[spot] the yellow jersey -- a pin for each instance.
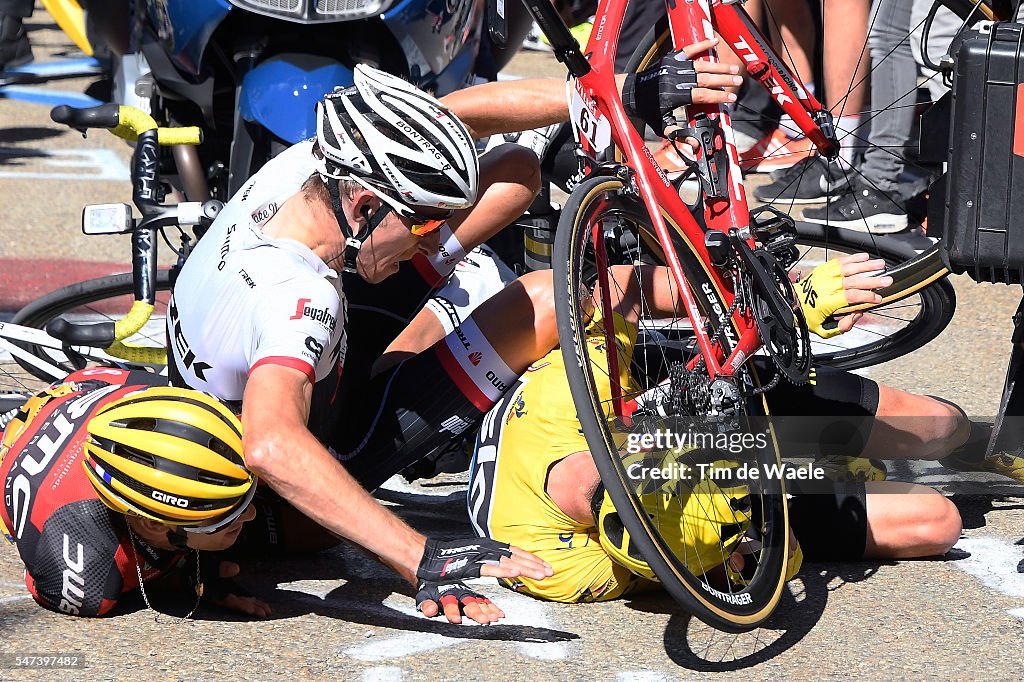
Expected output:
(533, 427)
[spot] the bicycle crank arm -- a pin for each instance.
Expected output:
(762, 279)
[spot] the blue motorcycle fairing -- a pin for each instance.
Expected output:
(281, 93)
(185, 26)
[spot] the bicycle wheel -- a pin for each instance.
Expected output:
(901, 323)
(691, 571)
(922, 265)
(97, 300)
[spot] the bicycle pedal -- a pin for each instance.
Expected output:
(776, 231)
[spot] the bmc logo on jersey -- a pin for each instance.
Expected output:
(321, 315)
(169, 499)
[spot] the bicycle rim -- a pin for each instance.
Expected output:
(922, 265)
(697, 581)
(885, 189)
(97, 300)
(897, 326)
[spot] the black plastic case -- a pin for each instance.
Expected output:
(983, 234)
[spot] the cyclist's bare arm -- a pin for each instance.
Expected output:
(279, 447)
(286, 455)
(511, 106)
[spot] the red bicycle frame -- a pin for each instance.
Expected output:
(601, 106)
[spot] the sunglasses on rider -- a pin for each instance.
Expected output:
(220, 524)
(417, 223)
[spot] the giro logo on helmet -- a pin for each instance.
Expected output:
(160, 496)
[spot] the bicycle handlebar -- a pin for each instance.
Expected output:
(125, 122)
(133, 125)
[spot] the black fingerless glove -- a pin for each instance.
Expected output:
(458, 559)
(448, 593)
(656, 91)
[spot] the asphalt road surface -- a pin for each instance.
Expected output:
(338, 615)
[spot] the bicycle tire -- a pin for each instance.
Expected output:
(918, 270)
(594, 200)
(106, 297)
(936, 296)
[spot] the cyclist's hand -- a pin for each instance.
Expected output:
(834, 285)
(678, 81)
(455, 598)
(235, 599)
(474, 557)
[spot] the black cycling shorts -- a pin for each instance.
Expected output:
(833, 414)
(831, 527)
(403, 414)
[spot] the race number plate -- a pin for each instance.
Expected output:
(592, 126)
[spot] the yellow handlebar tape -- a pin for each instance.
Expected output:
(133, 122)
(134, 321)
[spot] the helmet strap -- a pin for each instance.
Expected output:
(352, 242)
(595, 502)
(178, 538)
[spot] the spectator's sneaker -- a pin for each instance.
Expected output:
(14, 46)
(807, 181)
(774, 151)
(1002, 463)
(864, 209)
(533, 40)
(852, 469)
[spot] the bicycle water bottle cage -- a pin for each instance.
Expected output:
(712, 162)
(776, 231)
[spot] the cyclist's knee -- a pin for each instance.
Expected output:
(906, 520)
(922, 426)
(937, 524)
(511, 163)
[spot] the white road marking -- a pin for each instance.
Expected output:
(17, 597)
(994, 563)
(89, 164)
(519, 610)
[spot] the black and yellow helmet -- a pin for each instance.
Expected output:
(702, 521)
(172, 455)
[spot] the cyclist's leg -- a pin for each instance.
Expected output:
(421, 404)
(477, 277)
(843, 414)
(909, 426)
(875, 520)
(906, 520)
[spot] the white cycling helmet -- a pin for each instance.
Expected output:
(385, 132)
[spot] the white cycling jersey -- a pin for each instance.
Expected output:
(243, 300)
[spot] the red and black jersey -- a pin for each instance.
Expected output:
(77, 553)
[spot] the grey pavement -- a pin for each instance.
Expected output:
(338, 615)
